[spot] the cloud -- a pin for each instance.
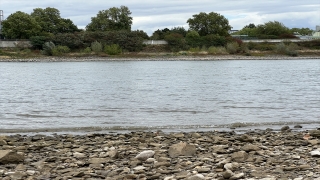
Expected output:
(152, 15)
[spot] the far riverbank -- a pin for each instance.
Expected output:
(155, 58)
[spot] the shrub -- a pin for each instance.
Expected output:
(251, 45)
(72, 40)
(59, 50)
(96, 47)
(217, 50)
(281, 48)
(214, 40)
(87, 50)
(290, 50)
(232, 48)
(176, 42)
(47, 48)
(194, 49)
(38, 41)
(113, 49)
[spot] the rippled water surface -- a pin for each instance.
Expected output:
(158, 94)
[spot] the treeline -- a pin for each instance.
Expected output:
(127, 40)
(110, 32)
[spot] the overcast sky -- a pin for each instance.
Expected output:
(150, 15)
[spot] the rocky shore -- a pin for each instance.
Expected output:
(260, 154)
(158, 58)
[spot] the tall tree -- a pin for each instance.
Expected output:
(212, 23)
(20, 25)
(111, 19)
(301, 31)
(274, 28)
(51, 22)
(251, 26)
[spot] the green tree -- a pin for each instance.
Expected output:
(301, 31)
(212, 23)
(193, 39)
(160, 34)
(51, 22)
(111, 19)
(251, 26)
(176, 42)
(179, 30)
(273, 28)
(20, 25)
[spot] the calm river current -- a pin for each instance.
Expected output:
(150, 95)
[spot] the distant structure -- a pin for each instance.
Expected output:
(1, 19)
(316, 34)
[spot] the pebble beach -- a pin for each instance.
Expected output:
(263, 154)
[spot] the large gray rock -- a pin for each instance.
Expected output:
(314, 133)
(196, 177)
(250, 147)
(183, 149)
(239, 156)
(144, 155)
(10, 157)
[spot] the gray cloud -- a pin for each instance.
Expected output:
(152, 15)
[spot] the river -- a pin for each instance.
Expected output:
(158, 95)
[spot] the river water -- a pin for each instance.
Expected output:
(158, 95)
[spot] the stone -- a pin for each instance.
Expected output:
(227, 174)
(231, 166)
(3, 142)
(10, 157)
(181, 148)
(97, 160)
(237, 176)
(159, 164)
(239, 156)
(315, 153)
(79, 155)
(313, 141)
(114, 154)
(138, 168)
(285, 128)
(314, 133)
(297, 126)
(196, 177)
(250, 147)
(144, 155)
(245, 138)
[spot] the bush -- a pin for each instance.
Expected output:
(47, 48)
(113, 49)
(213, 40)
(251, 45)
(195, 49)
(87, 50)
(290, 49)
(217, 50)
(71, 40)
(96, 47)
(176, 42)
(59, 50)
(281, 48)
(232, 48)
(38, 41)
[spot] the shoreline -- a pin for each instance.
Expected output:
(158, 155)
(157, 58)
